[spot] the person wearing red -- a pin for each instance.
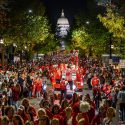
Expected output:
(16, 95)
(29, 109)
(95, 81)
(69, 77)
(68, 118)
(52, 78)
(46, 106)
(74, 100)
(41, 112)
(89, 100)
(84, 108)
(79, 79)
(63, 89)
(22, 113)
(96, 96)
(62, 66)
(38, 87)
(91, 112)
(97, 120)
(58, 75)
(56, 114)
(76, 53)
(9, 112)
(64, 105)
(74, 103)
(76, 110)
(78, 76)
(34, 87)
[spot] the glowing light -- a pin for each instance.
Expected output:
(30, 11)
(81, 83)
(44, 87)
(112, 46)
(87, 22)
(14, 44)
(1, 41)
(25, 47)
(74, 87)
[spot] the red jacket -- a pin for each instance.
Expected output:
(39, 85)
(62, 85)
(95, 81)
(15, 94)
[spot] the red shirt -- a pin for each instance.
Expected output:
(62, 85)
(58, 75)
(95, 81)
(79, 77)
(53, 80)
(69, 75)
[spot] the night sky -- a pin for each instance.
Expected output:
(71, 8)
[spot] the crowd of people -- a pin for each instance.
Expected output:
(21, 83)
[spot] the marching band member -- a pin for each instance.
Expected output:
(63, 88)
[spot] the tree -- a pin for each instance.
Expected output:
(48, 46)
(4, 19)
(115, 23)
(29, 28)
(90, 36)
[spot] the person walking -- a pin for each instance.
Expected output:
(121, 102)
(63, 89)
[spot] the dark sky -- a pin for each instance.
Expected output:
(71, 8)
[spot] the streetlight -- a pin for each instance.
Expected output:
(14, 45)
(30, 11)
(2, 51)
(112, 46)
(25, 47)
(87, 22)
(1, 41)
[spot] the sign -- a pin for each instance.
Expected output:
(115, 59)
(73, 76)
(110, 61)
(63, 75)
(122, 63)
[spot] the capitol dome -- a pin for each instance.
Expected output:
(62, 20)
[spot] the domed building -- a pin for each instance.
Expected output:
(62, 26)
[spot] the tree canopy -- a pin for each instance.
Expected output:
(28, 25)
(113, 19)
(114, 22)
(90, 35)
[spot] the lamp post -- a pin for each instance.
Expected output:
(2, 51)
